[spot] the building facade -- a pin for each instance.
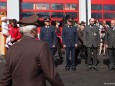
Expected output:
(57, 9)
(81, 10)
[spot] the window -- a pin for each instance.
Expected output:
(43, 14)
(26, 14)
(2, 5)
(96, 15)
(96, 7)
(42, 6)
(57, 15)
(57, 6)
(28, 5)
(109, 15)
(70, 7)
(72, 14)
(109, 7)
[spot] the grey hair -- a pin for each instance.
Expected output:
(27, 29)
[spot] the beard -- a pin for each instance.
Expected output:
(92, 24)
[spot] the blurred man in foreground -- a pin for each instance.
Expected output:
(29, 62)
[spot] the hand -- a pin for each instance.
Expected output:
(84, 44)
(76, 45)
(54, 46)
(106, 46)
(12, 39)
(64, 46)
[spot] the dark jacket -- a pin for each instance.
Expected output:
(29, 63)
(69, 36)
(80, 37)
(110, 38)
(48, 35)
(91, 36)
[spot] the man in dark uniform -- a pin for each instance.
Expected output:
(47, 33)
(110, 44)
(91, 40)
(70, 41)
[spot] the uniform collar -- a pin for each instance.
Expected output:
(70, 26)
(47, 26)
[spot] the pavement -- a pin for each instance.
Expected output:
(82, 77)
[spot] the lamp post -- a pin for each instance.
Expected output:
(86, 12)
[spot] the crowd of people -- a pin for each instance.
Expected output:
(10, 31)
(30, 55)
(71, 36)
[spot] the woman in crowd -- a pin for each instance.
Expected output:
(14, 31)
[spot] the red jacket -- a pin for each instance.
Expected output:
(14, 32)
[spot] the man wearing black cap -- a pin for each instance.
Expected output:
(48, 34)
(70, 41)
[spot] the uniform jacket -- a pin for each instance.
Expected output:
(69, 36)
(91, 36)
(29, 63)
(110, 37)
(48, 35)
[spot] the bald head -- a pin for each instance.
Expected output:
(104, 22)
(112, 23)
(92, 21)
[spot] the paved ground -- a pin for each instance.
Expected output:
(81, 77)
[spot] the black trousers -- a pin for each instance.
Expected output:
(80, 50)
(58, 48)
(92, 56)
(111, 54)
(70, 52)
(52, 50)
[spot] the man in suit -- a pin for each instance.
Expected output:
(47, 33)
(91, 40)
(29, 62)
(70, 41)
(110, 44)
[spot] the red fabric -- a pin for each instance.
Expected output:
(38, 30)
(14, 32)
(59, 34)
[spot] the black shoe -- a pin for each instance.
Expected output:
(89, 68)
(67, 68)
(114, 67)
(95, 68)
(110, 68)
(73, 68)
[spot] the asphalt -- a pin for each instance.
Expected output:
(82, 77)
